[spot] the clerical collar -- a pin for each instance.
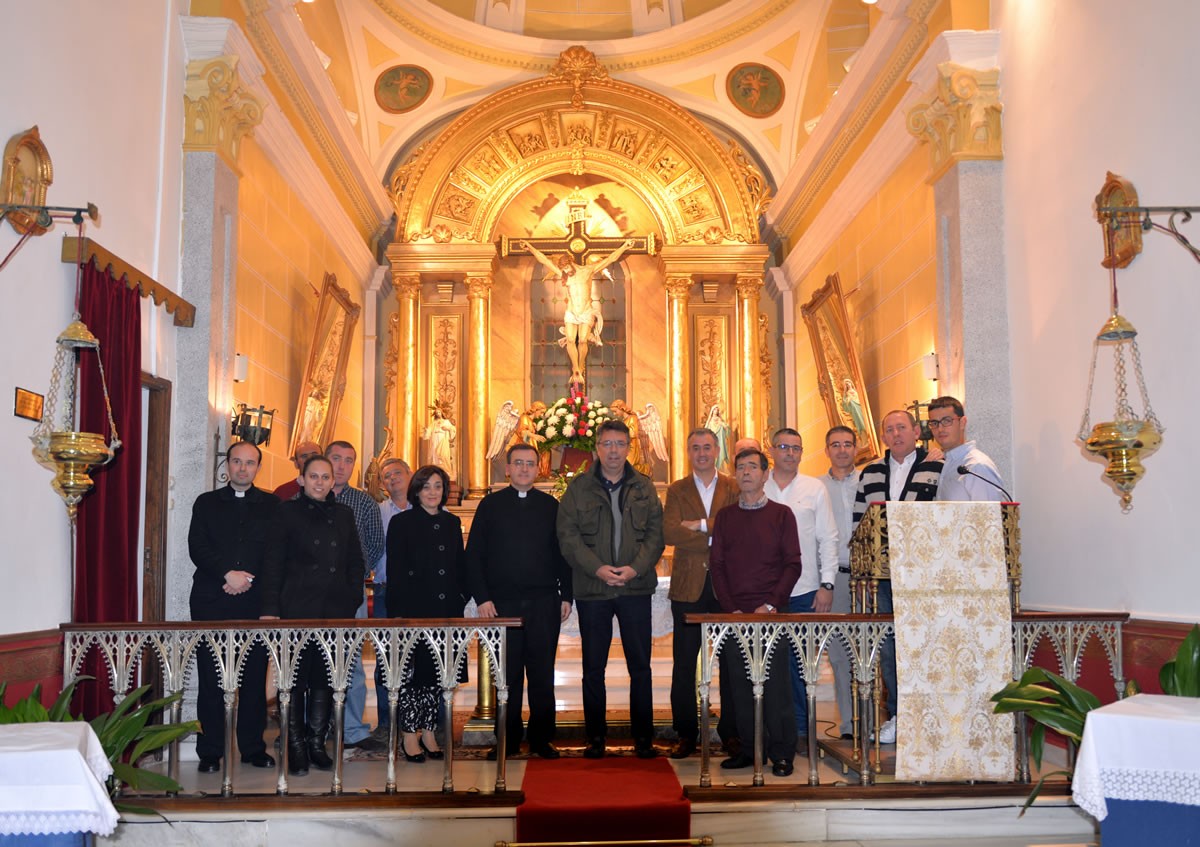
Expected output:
(237, 493)
(758, 504)
(522, 494)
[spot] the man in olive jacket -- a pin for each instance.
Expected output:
(610, 531)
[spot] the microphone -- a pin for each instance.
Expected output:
(963, 470)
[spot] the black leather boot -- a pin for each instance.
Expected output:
(320, 706)
(297, 735)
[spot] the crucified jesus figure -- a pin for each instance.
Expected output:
(583, 321)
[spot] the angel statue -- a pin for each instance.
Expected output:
(720, 429)
(583, 320)
(653, 443)
(506, 424)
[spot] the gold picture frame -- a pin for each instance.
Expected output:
(27, 173)
(325, 375)
(839, 376)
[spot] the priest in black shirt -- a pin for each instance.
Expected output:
(515, 569)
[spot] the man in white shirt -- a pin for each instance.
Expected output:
(968, 472)
(841, 481)
(809, 501)
(395, 474)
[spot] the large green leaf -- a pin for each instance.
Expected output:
(1037, 743)
(1187, 665)
(1080, 698)
(140, 779)
(1166, 678)
(60, 711)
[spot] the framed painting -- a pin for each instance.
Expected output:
(756, 90)
(839, 377)
(325, 375)
(402, 88)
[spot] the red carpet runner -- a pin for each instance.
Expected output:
(602, 800)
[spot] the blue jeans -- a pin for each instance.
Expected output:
(800, 603)
(353, 728)
(379, 610)
(887, 650)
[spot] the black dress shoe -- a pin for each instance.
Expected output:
(595, 749)
(545, 751)
(416, 760)
(732, 746)
(782, 768)
(645, 749)
(210, 765)
(259, 760)
(510, 752)
(733, 763)
(683, 748)
(436, 755)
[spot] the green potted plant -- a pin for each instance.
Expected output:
(125, 733)
(1054, 702)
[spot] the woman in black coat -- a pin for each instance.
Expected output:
(313, 568)
(426, 579)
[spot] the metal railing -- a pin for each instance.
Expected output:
(125, 647)
(810, 636)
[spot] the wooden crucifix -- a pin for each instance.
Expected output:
(583, 321)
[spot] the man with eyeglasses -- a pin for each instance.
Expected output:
(610, 529)
(817, 529)
(515, 570)
(905, 473)
(948, 422)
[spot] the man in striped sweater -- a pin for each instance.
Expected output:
(904, 473)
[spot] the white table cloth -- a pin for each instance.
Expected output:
(1146, 747)
(52, 780)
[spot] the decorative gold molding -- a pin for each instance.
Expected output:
(218, 111)
(27, 173)
(76, 250)
(407, 287)
(444, 330)
(578, 120)
(962, 121)
(712, 354)
(678, 287)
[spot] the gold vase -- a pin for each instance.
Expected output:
(1123, 444)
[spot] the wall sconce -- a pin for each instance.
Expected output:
(1123, 441)
(253, 425)
(241, 367)
(929, 366)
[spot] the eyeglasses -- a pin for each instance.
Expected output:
(789, 448)
(521, 463)
(940, 422)
(608, 445)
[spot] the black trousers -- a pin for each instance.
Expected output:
(595, 635)
(251, 706)
(529, 660)
(779, 717)
(685, 648)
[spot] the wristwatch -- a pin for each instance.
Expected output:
(770, 608)
(828, 586)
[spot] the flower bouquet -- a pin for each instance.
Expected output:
(571, 423)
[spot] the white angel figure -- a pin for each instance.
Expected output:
(652, 426)
(506, 424)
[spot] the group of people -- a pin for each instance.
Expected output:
(767, 540)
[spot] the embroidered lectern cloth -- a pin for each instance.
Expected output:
(953, 641)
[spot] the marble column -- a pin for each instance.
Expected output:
(960, 122)
(479, 299)
(406, 420)
(679, 396)
(749, 415)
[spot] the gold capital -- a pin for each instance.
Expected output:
(479, 287)
(679, 287)
(219, 112)
(408, 286)
(748, 287)
(962, 120)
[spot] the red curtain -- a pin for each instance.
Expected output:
(106, 555)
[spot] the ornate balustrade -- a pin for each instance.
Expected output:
(126, 647)
(811, 635)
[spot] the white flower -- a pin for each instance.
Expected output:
(571, 418)
(591, 416)
(589, 433)
(603, 410)
(551, 432)
(569, 432)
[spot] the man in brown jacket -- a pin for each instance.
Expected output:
(692, 504)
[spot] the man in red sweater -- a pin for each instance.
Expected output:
(755, 561)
